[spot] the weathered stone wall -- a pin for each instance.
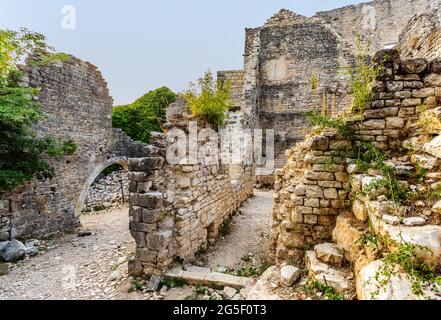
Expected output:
(310, 188)
(380, 21)
(177, 210)
(78, 107)
(422, 37)
(282, 57)
(235, 78)
(108, 191)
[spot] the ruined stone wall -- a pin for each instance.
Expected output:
(283, 56)
(422, 37)
(178, 210)
(235, 78)
(78, 107)
(310, 189)
(379, 21)
(282, 59)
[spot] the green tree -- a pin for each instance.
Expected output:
(145, 115)
(23, 155)
(210, 99)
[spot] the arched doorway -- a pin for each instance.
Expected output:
(122, 161)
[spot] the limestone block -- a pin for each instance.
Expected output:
(414, 221)
(300, 190)
(423, 93)
(434, 147)
(150, 200)
(347, 236)
(323, 273)
(320, 143)
(263, 287)
(331, 193)
(392, 220)
(373, 124)
(433, 80)
(146, 164)
(394, 123)
(289, 275)
(414, 66)
(409, 103)
(159, 240)
(146, 255)
(319, 176)
(360, 211)
(314, 191)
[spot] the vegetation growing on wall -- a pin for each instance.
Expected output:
(209, 99)
(23, 155)
(146, 115)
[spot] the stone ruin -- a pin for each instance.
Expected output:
(312, 190)
(78, 107)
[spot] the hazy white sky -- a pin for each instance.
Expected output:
(140, 45)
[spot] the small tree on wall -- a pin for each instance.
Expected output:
(209, 99)
(23, 155)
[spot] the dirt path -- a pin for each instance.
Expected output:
(249, 235)
(93, 267)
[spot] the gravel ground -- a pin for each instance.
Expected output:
(93, 267)
(249, 234)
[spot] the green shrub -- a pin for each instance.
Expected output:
(146, 115)
(23, 155)
(210, 100)
(314, 287)
(362, 75)
(325, 122)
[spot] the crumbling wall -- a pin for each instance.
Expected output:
(76, 101)
(108, 191)
(422, 37)
(176, 210)
(310, 189)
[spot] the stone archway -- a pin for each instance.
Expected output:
(79, 206)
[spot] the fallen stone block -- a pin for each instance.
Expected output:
(14, 250)
(328, 252)
(262, 290)
(289, 275)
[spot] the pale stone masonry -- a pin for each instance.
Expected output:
(289, 50)
(422, 37)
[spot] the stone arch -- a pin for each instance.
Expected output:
(79, 206)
